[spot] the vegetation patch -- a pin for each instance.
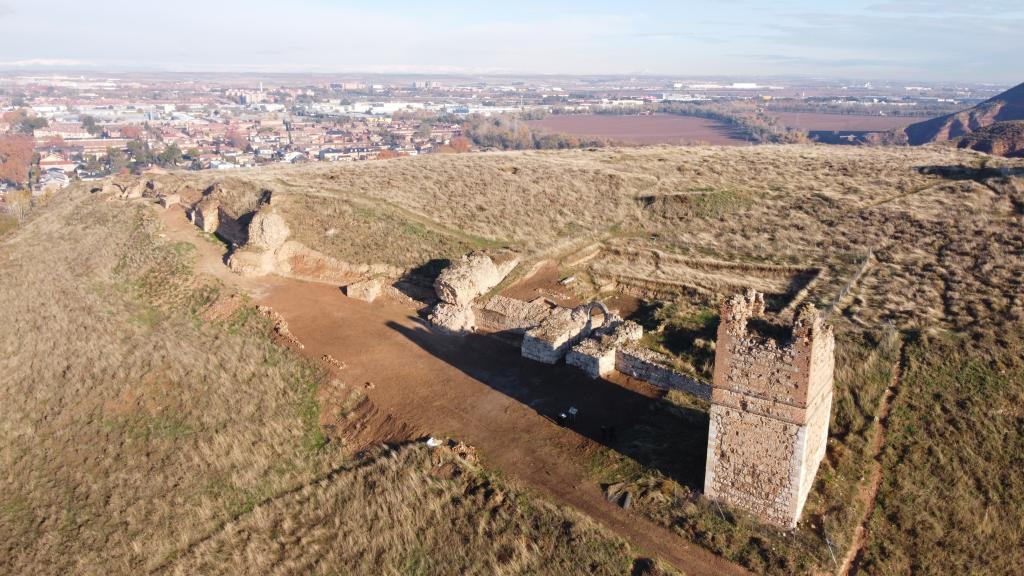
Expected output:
(952, 494)
(412, 510)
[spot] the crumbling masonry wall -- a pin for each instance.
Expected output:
(653, 367)
(770, 408)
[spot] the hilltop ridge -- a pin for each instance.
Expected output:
(1006, 106)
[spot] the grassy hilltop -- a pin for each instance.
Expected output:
(147, 425)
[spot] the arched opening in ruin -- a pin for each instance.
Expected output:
(605, 315)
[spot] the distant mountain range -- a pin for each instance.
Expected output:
(1004, 107)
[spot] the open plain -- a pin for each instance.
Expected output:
(643, 129)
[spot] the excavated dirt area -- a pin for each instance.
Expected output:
(475, 389)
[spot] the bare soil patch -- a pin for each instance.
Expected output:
(654, 129)
(857, 122)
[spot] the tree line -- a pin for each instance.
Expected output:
(512, 133)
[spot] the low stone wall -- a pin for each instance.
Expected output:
(559, 332)
(596, 355)
(650, 366)
(503, 314)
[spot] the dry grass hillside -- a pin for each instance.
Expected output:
(148, 420)
(942, 224)
(143, 430)
(407, 512)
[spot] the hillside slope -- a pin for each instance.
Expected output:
(150, 421)
(1003, 107)
(1000, 139)
(141, 432)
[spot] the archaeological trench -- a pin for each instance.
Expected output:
(771, 392)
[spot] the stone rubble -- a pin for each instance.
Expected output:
(596, 355)
(366, 290)
(503, 314)
(472, 276)
(559, 332)
(453, 318)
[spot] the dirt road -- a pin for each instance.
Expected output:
(475, 389)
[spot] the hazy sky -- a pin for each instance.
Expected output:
(961, 40)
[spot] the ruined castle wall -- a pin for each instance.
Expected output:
(206, 215)
(753, 469)
(593, 359)
(559, 332)
(596, 355)
(473, 276)
(814, 451)
(649, 366)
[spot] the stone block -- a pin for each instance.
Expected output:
(367, 290)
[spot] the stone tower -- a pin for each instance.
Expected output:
(770, 406)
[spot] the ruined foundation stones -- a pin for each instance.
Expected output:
(460, 284)
(770, 408)
(596, 355)
(655, 368)
(206, 215)
(560, 331)
(453, 318)
(367, 290)
(503, 314)
(168, 200)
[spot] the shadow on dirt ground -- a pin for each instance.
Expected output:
(626, 415)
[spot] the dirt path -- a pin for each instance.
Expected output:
(869, 490)
(475, 389)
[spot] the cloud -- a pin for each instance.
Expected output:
(5, 9)
(991, 8)
(837, 62)
(43, 63)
